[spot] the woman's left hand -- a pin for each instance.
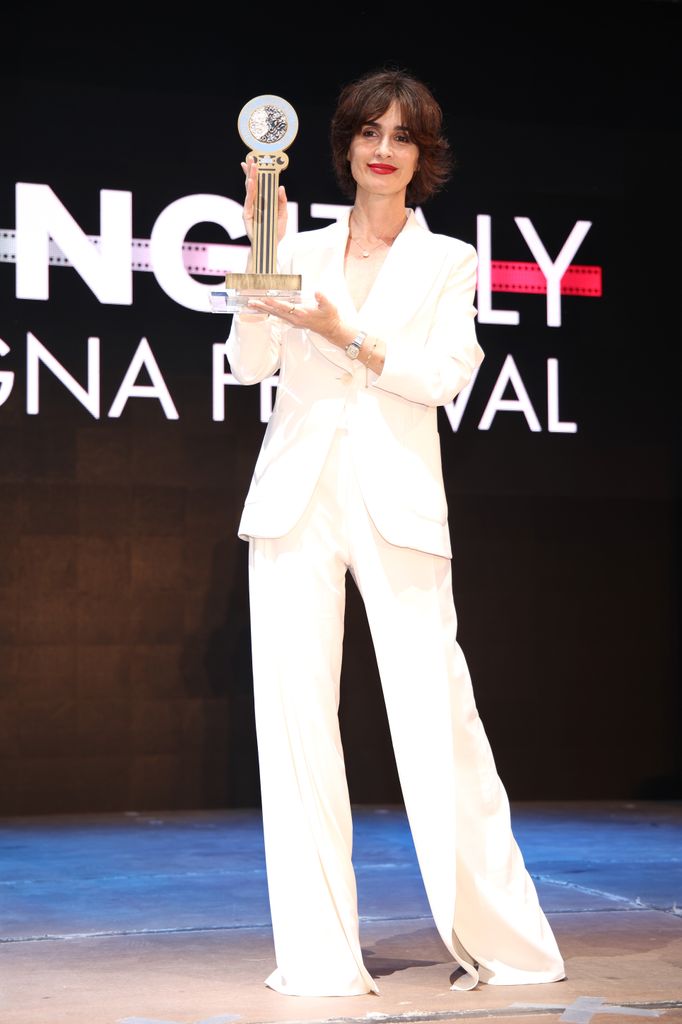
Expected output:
(323, 317)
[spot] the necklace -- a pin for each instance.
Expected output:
(366, 252)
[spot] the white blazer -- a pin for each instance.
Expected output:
(421, 306)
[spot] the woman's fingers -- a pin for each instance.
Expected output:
(250, 171)
(325, 307)
(282, 213)
(321, 316)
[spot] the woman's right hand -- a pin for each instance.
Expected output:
(250, 175)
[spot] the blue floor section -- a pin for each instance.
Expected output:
(148, 872)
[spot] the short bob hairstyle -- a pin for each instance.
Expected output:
(366, 99)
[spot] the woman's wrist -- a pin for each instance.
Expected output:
(342, 335)
(373, 354)
(368, 350)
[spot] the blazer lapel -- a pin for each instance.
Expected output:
(401, 285)
(403, 282)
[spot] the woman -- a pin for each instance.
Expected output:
(349, 479)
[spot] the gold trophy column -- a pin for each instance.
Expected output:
(264, 276)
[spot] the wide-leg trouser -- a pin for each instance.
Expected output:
(483, 900)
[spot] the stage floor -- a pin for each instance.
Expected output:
(153, 918)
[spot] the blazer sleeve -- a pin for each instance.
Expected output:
(443, 366)
(254, 348)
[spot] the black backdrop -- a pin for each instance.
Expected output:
(125, 674)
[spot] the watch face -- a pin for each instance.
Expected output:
(353, 350)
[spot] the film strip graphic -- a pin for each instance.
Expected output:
(217, 260)
(512, 276)
(197, 257)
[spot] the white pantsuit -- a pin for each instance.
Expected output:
(349, 479)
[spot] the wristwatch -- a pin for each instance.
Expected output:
(353, 350)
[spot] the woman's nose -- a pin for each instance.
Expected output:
(384, 145)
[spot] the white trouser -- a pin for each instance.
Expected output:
(482, 898)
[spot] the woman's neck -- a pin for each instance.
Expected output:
(377, 217)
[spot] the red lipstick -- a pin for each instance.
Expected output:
(382, 168)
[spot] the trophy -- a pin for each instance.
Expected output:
(268, 125)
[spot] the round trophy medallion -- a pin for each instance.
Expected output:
(268, 124)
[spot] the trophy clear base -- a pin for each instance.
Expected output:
(230, 300)
(240, 288)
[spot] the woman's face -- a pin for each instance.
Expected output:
(382, 156)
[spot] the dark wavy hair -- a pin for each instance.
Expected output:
(366, 99)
